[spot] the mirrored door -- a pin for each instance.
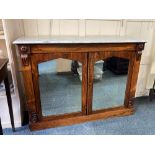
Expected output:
(61, 85)
(108, 75)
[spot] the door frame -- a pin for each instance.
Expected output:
(39, 58)
(96, 56)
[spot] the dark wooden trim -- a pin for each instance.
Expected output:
(58, 48)
(152, 92)
(38, 58)
(24, 54)
(84, 83)
(9, 100)
(107, 109)
(4, 77)
(3, 73)
(3, 63)
(61, 116)
(80, 119)
(90, 82)
(128, 84)
(134, 77)
(1, 130)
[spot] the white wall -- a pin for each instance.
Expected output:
(145, 30)
(12, 30)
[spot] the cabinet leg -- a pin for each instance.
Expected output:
(8, 94)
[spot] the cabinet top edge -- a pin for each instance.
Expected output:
(76, 40)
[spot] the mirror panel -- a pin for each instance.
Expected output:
(110, 77)
(60, 87)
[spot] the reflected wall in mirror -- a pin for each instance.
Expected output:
(60, 87)
(110, 78)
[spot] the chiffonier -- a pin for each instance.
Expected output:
(61, 92)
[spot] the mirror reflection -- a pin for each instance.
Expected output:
(110, 77)
(60, 86)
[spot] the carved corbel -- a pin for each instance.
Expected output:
(130, 103)
(24, 54)
(33, 117)
(139, 49)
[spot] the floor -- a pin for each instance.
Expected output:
(141, 123)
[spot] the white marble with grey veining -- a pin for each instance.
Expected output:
(76, 40)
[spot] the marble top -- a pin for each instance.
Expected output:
(76, 40)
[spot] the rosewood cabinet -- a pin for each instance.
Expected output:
(57, 97)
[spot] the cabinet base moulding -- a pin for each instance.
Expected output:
(44, 124)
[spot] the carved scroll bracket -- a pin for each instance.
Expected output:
(24, 54)
(139, 49)
(130, 103)
(33, 117)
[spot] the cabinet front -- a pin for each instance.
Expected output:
(74, 84)
(60, 84)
